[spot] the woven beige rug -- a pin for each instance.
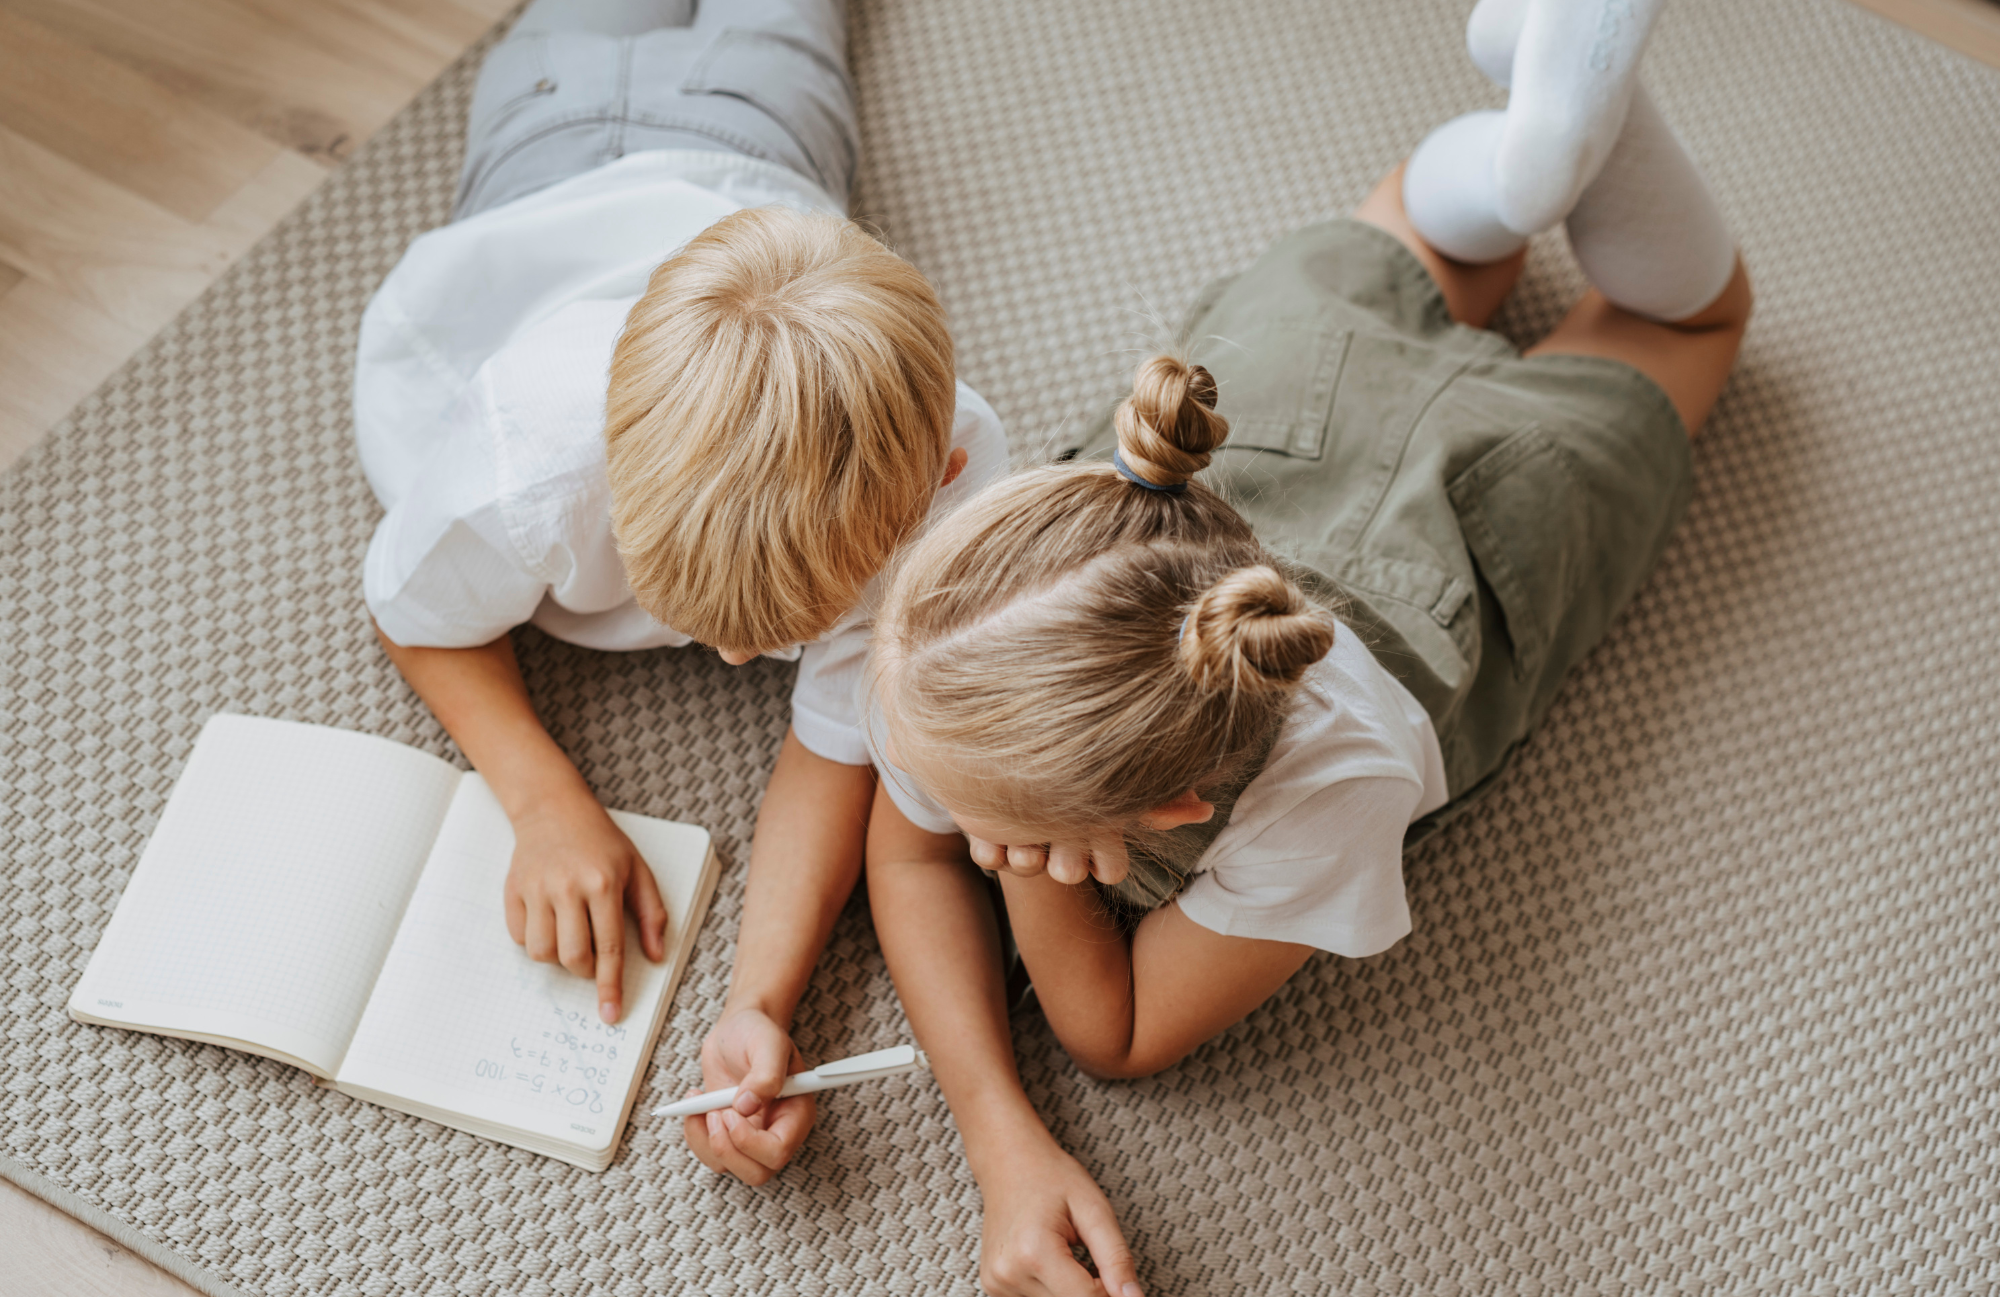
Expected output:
(1703, 1000)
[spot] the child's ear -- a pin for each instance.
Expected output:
(1188, 808)
(953, 467)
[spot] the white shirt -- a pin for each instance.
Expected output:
(1313, 852)
(479, 415)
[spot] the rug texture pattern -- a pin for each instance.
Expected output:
(1702, 1000)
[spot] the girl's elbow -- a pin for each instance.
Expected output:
(1123, 1070)
(1130, 1065)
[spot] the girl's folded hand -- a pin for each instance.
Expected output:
(755, 1137)
(1067, 862)
(1039, 1204)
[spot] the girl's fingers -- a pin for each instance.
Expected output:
(765, 1074)
(737, 1163)
(1040, 1265)
(541, 925)
(791, 1120)
(1099, 1229)
(573, 936)
(987, 855)
(766, 1148)
(726, 1156)
(1026, 860)
(1069, 864)
(1057, 1273)
(696, 1130)
(642, 893)
(1109, 862)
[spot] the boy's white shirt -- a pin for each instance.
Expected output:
(1313, 852)
(479, 416)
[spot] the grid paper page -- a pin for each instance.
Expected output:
(269, 892)
(464, 1021)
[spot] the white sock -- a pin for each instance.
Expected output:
(1647, 231)
(1449, 192)
(1569, 84)
(1491, 35)
(1448, 187)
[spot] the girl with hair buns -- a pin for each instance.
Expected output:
(1189, 696)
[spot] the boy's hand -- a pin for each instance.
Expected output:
(755, 1138)
(573, 875)
(1039, 1204)
(1103, 858)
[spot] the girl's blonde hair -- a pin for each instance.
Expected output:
(1069, 649)
(779, 417)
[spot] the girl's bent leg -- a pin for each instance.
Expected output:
(1690, 359)
(1471, 292)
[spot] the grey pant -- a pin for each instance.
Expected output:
(579, 83)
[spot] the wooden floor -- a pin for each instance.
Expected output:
(1971, 27)
(47, 1254)
(144, 146)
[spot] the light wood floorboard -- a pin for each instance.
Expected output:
(1971, 27)
(48, 1254)
(144, 146)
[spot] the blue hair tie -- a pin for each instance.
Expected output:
(1125, 471)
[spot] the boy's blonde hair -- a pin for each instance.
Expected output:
(1069, 650)
(778, 419)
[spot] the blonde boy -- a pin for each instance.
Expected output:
(722, 446)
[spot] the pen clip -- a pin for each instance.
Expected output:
(900, 1056)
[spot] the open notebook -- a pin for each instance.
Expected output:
(333, 900)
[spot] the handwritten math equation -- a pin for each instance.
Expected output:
(566, 1060)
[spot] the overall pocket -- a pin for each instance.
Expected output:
(1276, 381)
(1526, 512)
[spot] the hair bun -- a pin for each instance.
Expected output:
(1168, 426)
(1253, 630)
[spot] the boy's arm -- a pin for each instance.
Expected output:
(804, 861)
(1130, 1006)
(573, 871)
(936, 927)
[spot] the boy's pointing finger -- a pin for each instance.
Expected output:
(607, 930)
(643, 894)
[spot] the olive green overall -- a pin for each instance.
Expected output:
(1477, 516)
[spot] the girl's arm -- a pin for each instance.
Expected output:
(938, 935)
(804, 861)
(1130, 1006)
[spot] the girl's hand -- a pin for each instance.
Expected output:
(756, 1137)
(1040, 1203)
(1102, 858)
(573, 874)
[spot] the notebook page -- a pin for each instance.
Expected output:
(268, 894)
(464, 1022)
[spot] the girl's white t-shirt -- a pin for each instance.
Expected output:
(1313, 852)
(479, 393)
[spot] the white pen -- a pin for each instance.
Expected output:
(862, 1067)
